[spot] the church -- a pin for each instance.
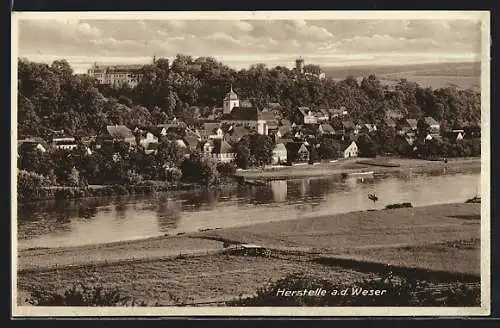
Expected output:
(249, 117)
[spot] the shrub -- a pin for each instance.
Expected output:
(173, 175)
(31, 185)
(120, 190)
(226, 169)
(133, 178)
(79, 295)
(400, 205)
(402, 292)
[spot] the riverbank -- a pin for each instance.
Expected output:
(195, 268)
(357, 165)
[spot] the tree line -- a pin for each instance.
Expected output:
(52, 97)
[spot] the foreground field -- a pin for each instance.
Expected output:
(150, 271)
(369, 230)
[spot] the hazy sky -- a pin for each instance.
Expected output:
(240, 43)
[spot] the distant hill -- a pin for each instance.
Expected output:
(461, 75)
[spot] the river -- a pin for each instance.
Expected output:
(100, 220)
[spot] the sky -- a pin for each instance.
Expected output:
(240, 43)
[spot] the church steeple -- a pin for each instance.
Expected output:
(231, 100)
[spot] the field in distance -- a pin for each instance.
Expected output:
(461, 75)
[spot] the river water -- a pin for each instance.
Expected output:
(100, 220)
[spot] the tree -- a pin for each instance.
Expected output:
(328, 149)
(367, 147)
(74, 177)
(199, 169)
(242, 157)
(169, 153)
(261, 149)
(31, 185)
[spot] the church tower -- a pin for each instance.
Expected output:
(231, 100)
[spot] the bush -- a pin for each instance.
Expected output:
(402, 292)
(226, 169)
(31, 186)
(79, 295)
(200, 169)
(173, 175)
(120, 190)
(400, 205)
(133, 178)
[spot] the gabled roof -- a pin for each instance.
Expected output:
(347, 145)
(191, 141)
(280, 146)
(413, 123)
(327, 128)
(304, 110)
(243, 114)
(429, 120)
(119, 132)
(267, 115)
(294, 147)
(221, 147)
(209, 128)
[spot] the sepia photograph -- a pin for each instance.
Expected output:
(286, 163)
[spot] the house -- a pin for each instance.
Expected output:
(222, 151)
(269, 117)
(349, 127)
(121, 133)
(456, 134)
(234, 134)
(151, 148)
(412, 123)
(322, 115)
(66, 143)
(304, 115)
(175, 127)
(249, 117)
(212, 131)
(368, 128)
(326, 128)
(145, 140)
(351, 150)
(279, 154)
(206, 147)
(338, 112)
(191, 142)
(28, 145)
(181, 144)
(472, 131)
(297, 152)
(393, 114)
(434, 126)
(407, 125)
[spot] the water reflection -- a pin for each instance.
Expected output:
(96, 220)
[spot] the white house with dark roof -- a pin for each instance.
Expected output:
(351, 150)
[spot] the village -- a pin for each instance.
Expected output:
(216, 136)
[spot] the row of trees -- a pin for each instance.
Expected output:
(53, 97)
